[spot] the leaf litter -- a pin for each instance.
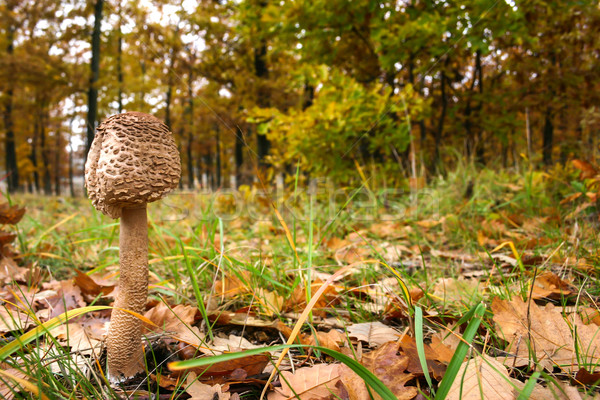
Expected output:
(544, 332)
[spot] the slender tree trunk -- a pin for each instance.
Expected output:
(33, 154)
(411, 79)
(92, 115)
(218, 156)
(208, 163)
(44, 151)
(141, 98)
(190, 135)
(9, 136)
(309, 96)
(548, 136)
(57, 164)
(190, 160)
(528, 133)
(71, 185)
(479, 147)
(262, 73)
(202, 170)
(440, 128)
(473, 145)
(169, 93)
(120, 61)
(239, 156)
(170, 80)
(168, 105)
(180, 152)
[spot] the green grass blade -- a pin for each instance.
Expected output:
(529, 386)
(196, 288)
(421, 346)
(354, 365)
(460, 353)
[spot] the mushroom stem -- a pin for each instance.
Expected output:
(124, 342)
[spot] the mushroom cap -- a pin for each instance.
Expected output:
(133, 160)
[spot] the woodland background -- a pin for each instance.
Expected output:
(403, 89)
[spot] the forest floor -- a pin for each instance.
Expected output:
(488, 280)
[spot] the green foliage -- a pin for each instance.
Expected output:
(346, 119)
(330, 83)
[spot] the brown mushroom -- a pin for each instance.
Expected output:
(133, 160)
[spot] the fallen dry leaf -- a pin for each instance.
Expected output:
(429, 223)
(297, 300)
(351, 254)
(444, 353)
(388, 366)
(330, 340)
(374, 333)
(460, 290)
(336, 243)
(590, 315)
(586, 169)
(171, 319)
(233, 285)
(6, 237)
(434, 366)
(8, 387)
(14, 320)
(177, 321)
(549, 285)
(308, 383)
(545, 332)
(237, 369)
(585, 377)
(90, 287)
(486, 378)
(482, 375)
(201, 391)
(231, 343)
(11, 214)
(387, 230)
(78, 338)
(11, 272)
(57, 298)
(271, 303)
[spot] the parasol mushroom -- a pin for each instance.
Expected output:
(133, 161)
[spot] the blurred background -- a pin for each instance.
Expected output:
(353, 90)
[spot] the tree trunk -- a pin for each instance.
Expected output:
(170, 79)
(479, 148)
(218, 156)
(473, 145)
(57, 164)
(33, 154)
(262, 73)
(44, 150)
(141, 98)
(92, 115)
(12, 170)
(440, 128)
(190, 135)
(208, 164)
(180, 152)
(120, 61)
(548, 136)
(239, 156)
(71, 185)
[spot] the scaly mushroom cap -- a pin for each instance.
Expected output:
(133, 160)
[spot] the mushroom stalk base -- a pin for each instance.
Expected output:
(124, 342)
